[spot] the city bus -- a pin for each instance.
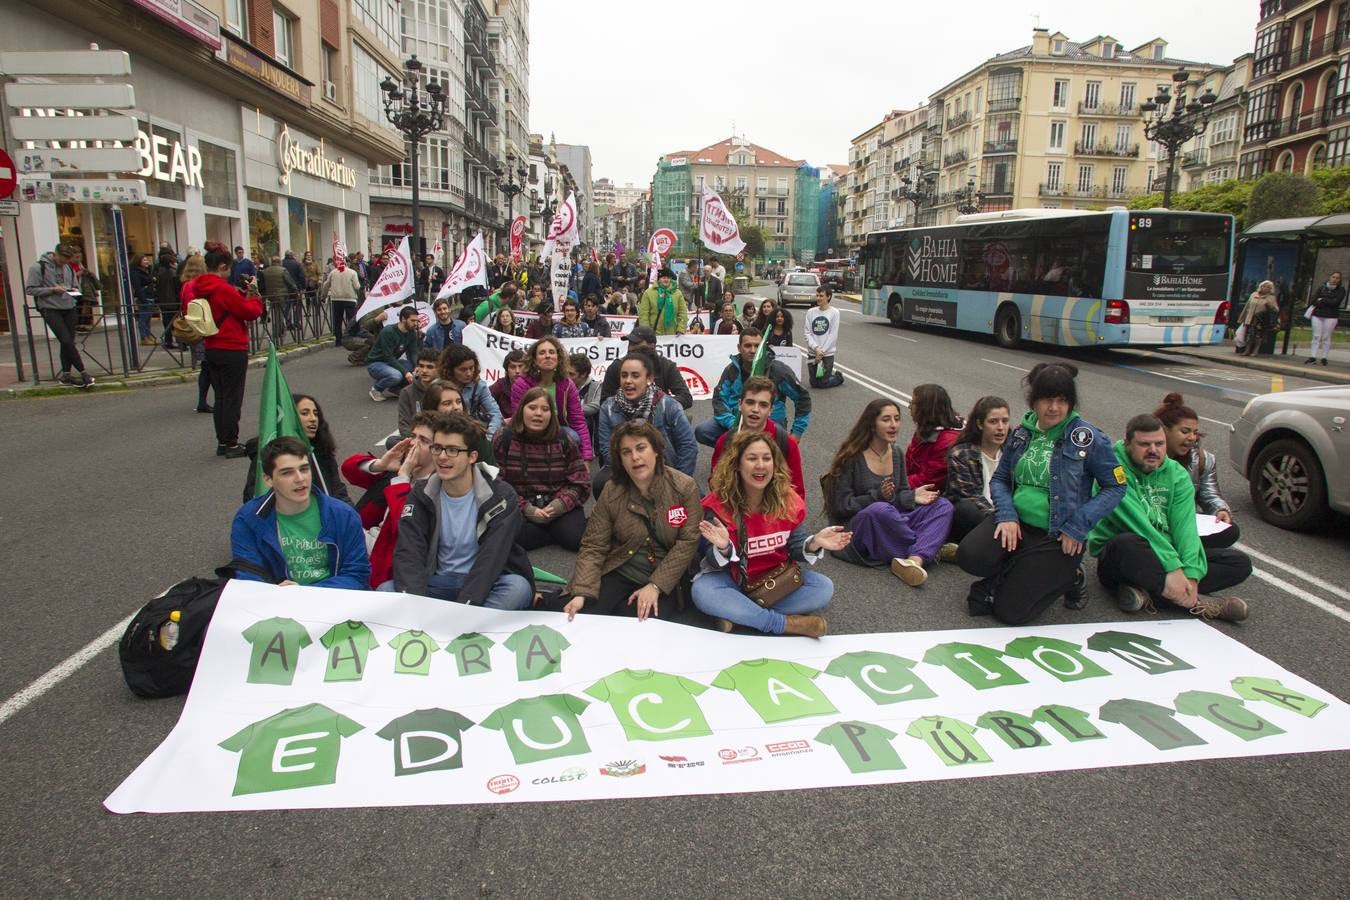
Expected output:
(1151, 278)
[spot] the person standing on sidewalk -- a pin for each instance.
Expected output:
(52, 283)
(1326, 314)
(344, 289)
(226, 359)
(1259, 318)
(167, 288)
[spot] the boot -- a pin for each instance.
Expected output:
(1076, 597)
(806, 626)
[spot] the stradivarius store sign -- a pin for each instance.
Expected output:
(292, 156)
(309, 698)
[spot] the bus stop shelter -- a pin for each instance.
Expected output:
(1296, 255)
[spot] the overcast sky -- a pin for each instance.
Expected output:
(638, 79)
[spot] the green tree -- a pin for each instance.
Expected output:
(1229, 197)
(1282, 195)
(1335, 185)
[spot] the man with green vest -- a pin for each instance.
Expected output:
(503, 296)
(1149, 547)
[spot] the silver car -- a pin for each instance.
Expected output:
(1293, 448)
(798, 287)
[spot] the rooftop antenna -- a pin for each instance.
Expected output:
(1036, 21)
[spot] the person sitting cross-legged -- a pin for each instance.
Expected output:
(543, 463)
(299, 535)
(640, 398)
(458, 541)
(1148, 546)
(753, 526)
(642, 533)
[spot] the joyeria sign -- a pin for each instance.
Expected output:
(291, 157)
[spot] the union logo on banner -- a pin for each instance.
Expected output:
(677, 516)
(662, 240)
(717, 227)
(517, 238)
(470, 268)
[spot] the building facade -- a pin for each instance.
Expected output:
(1055, 124)
(253, 128)
(757, 182)
(1212, 156)
(1297, 115)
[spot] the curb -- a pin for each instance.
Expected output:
(1273, 368)
(157, 378)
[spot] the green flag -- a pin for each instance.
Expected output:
(763, 357)
(543, 577)
(276, 414)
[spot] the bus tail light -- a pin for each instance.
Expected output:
(1117, 312)
(1221, 314)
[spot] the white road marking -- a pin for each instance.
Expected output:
(1216, 421)
(876, 387)
(1302, 595)
(1295, 571)
(1004, 365)
(910, 339)
(63, 670)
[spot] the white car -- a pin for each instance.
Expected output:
(798, 287)
(1293, 448)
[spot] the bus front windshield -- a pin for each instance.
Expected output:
(1177, 245)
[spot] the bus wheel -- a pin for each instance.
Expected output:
(895, 311)
(1008, 326)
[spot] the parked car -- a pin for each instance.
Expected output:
(834, 279)
(798, 287)
(1293, 448)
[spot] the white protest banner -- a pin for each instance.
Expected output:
(700, 358)
(717, 226)
(396, 281)
(517, 239)
(470, 269)
(309, 698)
(560, 273)
(437, 251)
(564, 230)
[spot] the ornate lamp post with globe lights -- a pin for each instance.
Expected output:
(511, 180)
(416, 110)
(919, 190)
(1186, 120)
(968, 199)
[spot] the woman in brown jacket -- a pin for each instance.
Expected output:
(642, 533)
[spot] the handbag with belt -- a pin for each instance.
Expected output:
(774, 585)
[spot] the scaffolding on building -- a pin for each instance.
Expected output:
(672, 193)
(805, 213)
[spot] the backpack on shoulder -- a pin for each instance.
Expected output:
(196, 323)
(149, 669)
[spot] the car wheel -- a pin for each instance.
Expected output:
(1287, 485)
(1008, 326)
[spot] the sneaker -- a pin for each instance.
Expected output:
(1131, 599)
(908, 571)
(1324, 360)
(231, 451)
(377, 396)
(724, 625)
(208, 409)
(1230, 609)
(69, 379)
(149, 341)
(948, 552)
(1309, 361)
(86, 380)
(1076, 597)
(391, 395)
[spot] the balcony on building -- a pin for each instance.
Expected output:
(935, 124)
(1005, 104)
(994, 147)
(1300, 125)
(1223, 151)
(996, 187)
(1113, 150)
(960, 120)
(477, 152)
(1194, 159)
(477, 100)
(1087, 192)
(901, 164)
(476, 44)
(956, 157)
(1110, 110)
(1312, 51)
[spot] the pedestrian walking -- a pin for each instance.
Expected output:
(1325, 313)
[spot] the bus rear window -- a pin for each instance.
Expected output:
(1175, 245)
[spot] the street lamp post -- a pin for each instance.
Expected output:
(968, 199)
(918, 190)
(1186, 120)
(416, 110)
(511, 181)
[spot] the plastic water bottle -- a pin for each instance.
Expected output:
(168, 632)
(820, 370)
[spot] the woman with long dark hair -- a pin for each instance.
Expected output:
(642, 532)
(1029, 552)
(752, 522)
(970, 468)
(1183, 445)
(936, 428)
(544, 465)
(324, 451)
(764, 319)
(504, 320)
(780, 333)
(458, 366)
(548, 367)
(871, 497)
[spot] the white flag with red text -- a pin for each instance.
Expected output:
(470, 269)
(396, 281)
(717, 228)
(564, 230)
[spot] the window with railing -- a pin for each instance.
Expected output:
(1119, 175)
(1054, 176)
(1268, 56)
(1084, 179)
(1092, 95)
(1005, 90)
(1127, 95)
(1262, 114)
(1340, 88)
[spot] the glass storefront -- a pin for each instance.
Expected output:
(263, 235)
(299, 235)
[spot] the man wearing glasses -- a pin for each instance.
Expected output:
(457, 533)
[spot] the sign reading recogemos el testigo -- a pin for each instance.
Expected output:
(309, 698)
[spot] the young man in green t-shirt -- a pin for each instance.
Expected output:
(299, 535)
(1148, 546)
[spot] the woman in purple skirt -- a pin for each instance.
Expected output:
(869, 494)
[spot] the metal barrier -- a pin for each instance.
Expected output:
(110, 345)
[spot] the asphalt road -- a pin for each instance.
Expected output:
(112, 497)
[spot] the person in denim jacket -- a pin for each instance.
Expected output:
(1030, 551)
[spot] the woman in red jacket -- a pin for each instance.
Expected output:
(752, 523)
(936, 429)
(226, 360)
